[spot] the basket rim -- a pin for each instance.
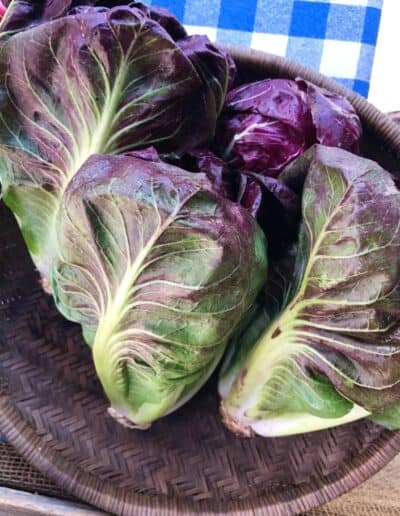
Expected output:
(45, 457)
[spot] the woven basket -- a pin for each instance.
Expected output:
(54, 413)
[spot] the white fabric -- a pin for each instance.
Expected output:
(385, 81)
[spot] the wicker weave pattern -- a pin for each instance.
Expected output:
(54, 412)
(15, 472)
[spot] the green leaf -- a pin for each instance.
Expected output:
(390, 418)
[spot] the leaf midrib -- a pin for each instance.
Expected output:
(290, 313)
(104, 353)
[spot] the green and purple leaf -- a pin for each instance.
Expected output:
(101, 81)
(159, 271)
(332, 354)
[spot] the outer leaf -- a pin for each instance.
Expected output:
(158, 270)
(162, 16)
(213, 64)
(102, 81)
(332, 355)
(390, 418)
(159, 14)
(23, 14)
(335, 120)
(216, 170)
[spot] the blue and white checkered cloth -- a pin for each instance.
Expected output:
(336, 37)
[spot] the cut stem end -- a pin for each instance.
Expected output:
(124, 421)
(238, 428)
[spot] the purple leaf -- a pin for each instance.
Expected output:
(265, 125)
(213, 64)
(23, 14)
(162, 16)
(274, 205)
(335, 120)
(148, 154)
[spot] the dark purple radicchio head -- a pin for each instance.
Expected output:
(267, 124)
(264, 126)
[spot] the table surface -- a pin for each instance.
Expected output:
(379, 496)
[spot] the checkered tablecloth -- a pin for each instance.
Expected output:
(336, 37)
